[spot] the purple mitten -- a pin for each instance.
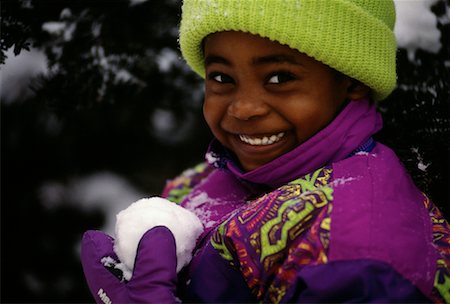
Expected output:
(154, 276)
(154, 240)
(104, 285)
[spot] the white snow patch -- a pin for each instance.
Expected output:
(18, 71)
(164, 121)
(54, 27)
(64, 29)
(96, 29)
(198, 200)
(110, 66)
(143, 215)
(104, 190)
(415, 27)
(420, 165)
(362, 153)
(108, 261)
(200, 204)
(342, 181)
(166, 59)
(65, 13)
(170, 128)
(211, 158)
(127, 273)
(423, 88)
(60, 28)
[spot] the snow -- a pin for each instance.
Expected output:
(364, 153)
(17, 73)
(63, 29)
(166, 59)
(108, 261)
(59, 28)
(200, 204)
(420, 165)
(164, 121)
(211, 158)
(127, 273)
(106, 191)
(169, 128)
(342, 181)
(147, 213)
(415, 27)
(421, 87)
(109, 65)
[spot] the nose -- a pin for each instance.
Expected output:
(247, 106)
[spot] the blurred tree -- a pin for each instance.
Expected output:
(116, 97)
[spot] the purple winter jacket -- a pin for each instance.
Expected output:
(338, 219)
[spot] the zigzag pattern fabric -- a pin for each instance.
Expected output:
(288, 228)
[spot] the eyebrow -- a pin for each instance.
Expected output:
(210, 59)
(270, 59)
(277, 58)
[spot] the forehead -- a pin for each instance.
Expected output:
(237, 48)
(233, 44)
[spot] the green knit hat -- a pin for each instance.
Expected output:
(354, 37)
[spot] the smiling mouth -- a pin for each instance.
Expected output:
(261, 141)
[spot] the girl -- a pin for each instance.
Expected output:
(298, 202)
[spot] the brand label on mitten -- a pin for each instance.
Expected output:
(102, 294)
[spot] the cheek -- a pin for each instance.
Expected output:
(207, 111)
(308, 120)
(213, 113)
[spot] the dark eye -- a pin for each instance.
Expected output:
(280, 78)
(220, 77)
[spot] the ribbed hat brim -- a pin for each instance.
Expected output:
(339, 33)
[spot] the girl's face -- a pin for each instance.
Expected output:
(263, 99)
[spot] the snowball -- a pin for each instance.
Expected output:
(147, 213)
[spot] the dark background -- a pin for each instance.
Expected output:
(82, 118)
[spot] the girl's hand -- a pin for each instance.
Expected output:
(154, 276)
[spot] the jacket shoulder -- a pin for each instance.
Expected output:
(379, 214)
(176, 189)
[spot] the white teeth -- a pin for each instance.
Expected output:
(261, 141)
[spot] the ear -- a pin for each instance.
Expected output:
(357, 90)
